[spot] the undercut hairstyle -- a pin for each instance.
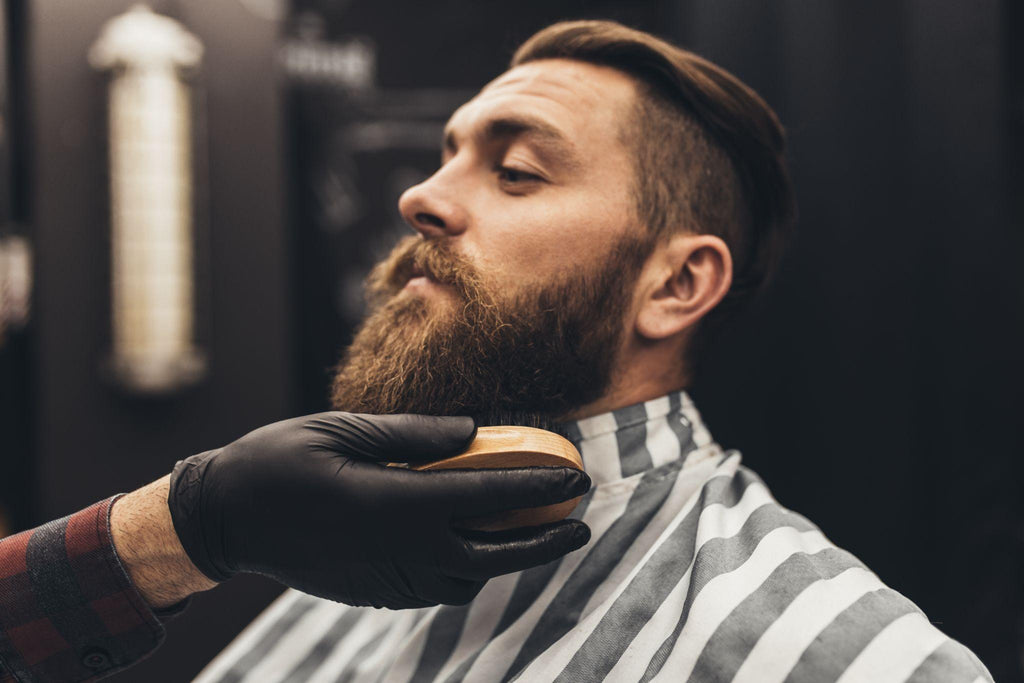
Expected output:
(709, 153)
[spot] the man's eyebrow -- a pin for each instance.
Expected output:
(551, 141)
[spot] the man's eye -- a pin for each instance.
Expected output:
(513, 175)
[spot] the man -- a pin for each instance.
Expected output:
(597, 208)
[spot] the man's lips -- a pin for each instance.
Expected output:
(420, 275)
(418, 272)
(420, 281)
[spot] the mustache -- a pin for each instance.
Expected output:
(414, 256)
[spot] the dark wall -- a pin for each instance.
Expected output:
(878, 387)
(15, 384)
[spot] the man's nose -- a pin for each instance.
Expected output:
(431, 211)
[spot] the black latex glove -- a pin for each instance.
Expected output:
(309, 502)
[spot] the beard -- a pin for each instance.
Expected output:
(530, 358)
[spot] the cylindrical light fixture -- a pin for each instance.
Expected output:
(15, 284)
(151, 199)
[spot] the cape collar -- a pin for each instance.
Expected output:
(636, 438)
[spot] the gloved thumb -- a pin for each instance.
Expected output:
(396, 438)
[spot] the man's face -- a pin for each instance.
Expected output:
(534, 173)
(513, 301)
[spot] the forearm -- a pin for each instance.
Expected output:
(68, 609)
(148, 546)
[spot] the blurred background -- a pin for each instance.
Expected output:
(151, 310)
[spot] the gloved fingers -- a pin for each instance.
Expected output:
(473, 493)
(394, 438)
(482, 555)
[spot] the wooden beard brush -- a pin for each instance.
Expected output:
(496, 447)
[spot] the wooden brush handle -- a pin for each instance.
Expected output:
(496, 447)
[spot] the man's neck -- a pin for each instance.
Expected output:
(646, 372)
(627, 395)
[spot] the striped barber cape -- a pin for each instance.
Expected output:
(694, 573)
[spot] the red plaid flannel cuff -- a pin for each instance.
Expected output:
(68, 611)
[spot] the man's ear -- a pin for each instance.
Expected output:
(684, 279)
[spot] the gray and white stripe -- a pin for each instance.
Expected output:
(694, 572)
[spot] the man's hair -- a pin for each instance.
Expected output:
(709, 152)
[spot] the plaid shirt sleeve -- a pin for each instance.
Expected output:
(68, 611)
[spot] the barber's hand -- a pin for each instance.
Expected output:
(310, 503)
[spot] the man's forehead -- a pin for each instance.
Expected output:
(575, 77)
(567, 91)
